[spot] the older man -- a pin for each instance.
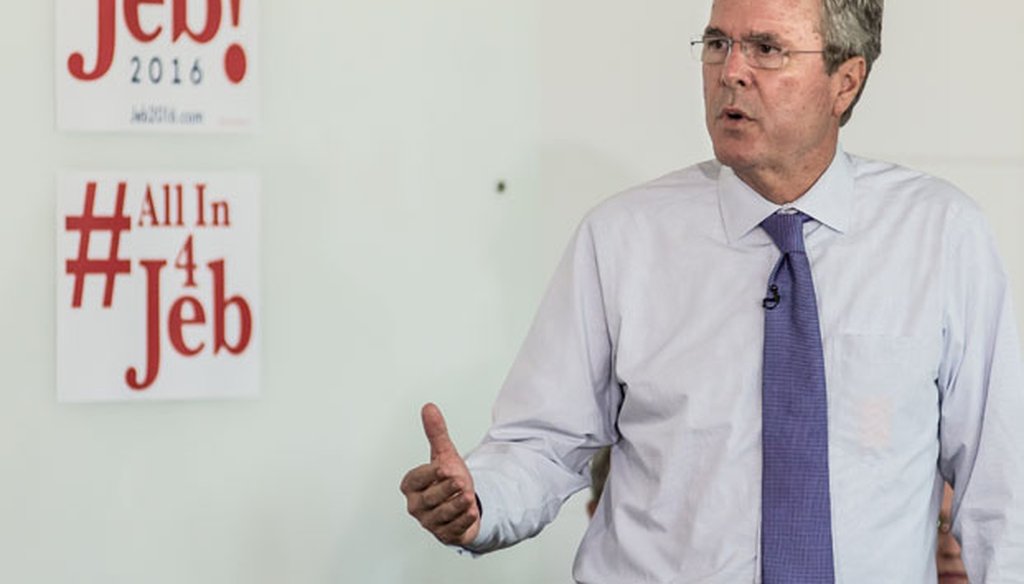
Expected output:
(788, 348)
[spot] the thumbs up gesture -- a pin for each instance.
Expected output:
(440, 494)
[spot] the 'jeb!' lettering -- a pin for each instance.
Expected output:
(107, 27)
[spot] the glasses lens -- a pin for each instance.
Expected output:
(765, 55)
(697, 50)
(714, 50)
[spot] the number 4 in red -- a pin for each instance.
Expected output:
(186, 261)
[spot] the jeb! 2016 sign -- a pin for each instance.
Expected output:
(156, 65)
(157, 286)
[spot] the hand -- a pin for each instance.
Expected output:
(440, 494)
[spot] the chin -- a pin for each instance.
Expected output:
(733, 157)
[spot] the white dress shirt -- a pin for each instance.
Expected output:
(650, 338)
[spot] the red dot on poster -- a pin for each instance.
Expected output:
(234, 63)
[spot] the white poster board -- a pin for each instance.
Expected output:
(157, 65)
(158, 292)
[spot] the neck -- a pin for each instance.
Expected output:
(782, 185)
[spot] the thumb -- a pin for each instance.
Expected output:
(437, 432)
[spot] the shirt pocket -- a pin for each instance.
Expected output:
(883, 401)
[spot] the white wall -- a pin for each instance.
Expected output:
(393, 271)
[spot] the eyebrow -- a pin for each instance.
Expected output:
(763, 37)
(757, 37)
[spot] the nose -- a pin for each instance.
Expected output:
(735, 69)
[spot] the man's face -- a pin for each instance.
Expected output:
(770, 120)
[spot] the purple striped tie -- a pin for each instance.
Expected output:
(796, 521)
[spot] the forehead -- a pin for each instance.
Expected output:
(792, 20)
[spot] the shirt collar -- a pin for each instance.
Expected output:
(829, 201)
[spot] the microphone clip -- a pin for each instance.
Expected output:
(770, 302)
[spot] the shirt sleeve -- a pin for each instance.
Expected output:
(981, 428)
(556, 408)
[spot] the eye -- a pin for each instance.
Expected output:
(767, 50)
(716, 44)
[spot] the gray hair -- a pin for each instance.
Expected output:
(852, 28)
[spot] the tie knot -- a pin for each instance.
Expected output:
(786, 230)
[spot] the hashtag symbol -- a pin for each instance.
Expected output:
(86, 224)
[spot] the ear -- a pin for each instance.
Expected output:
(846, 83)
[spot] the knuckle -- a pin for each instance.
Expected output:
(445, 514)
(449, 486)
(455, 510)
(428, 523)
(450, 536)
(461, 523)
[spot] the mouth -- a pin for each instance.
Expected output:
(734, 114)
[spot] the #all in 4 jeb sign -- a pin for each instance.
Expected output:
(157, 286)
(156, 65)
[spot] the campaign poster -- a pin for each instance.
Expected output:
(158, 286)
(157, 65)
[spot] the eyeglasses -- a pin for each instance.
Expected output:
(762, 54)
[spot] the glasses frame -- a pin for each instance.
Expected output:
(747, 48)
